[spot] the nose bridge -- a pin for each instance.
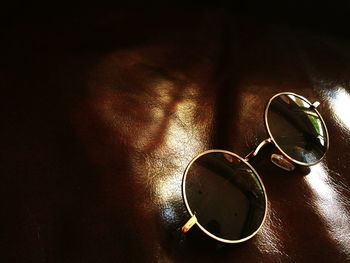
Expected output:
(257, 149)
(277, 159)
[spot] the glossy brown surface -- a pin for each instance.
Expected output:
(102, 112)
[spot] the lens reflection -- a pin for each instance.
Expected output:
(226, 195)
(296, 128)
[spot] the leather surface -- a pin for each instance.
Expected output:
(101, 114)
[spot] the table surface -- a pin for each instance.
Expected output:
(101, 114)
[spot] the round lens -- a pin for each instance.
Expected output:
(296, 128)
(226, 195)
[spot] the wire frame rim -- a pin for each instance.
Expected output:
(191, 213)
(276, 144)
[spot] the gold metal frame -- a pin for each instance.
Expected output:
(193, 220)
(314, 106)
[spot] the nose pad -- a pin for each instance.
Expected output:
(282, 162)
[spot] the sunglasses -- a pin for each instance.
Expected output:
(224, 194)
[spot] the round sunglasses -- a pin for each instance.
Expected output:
(224, 194)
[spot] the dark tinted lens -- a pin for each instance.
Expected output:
(226, 196)
(297, 128)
